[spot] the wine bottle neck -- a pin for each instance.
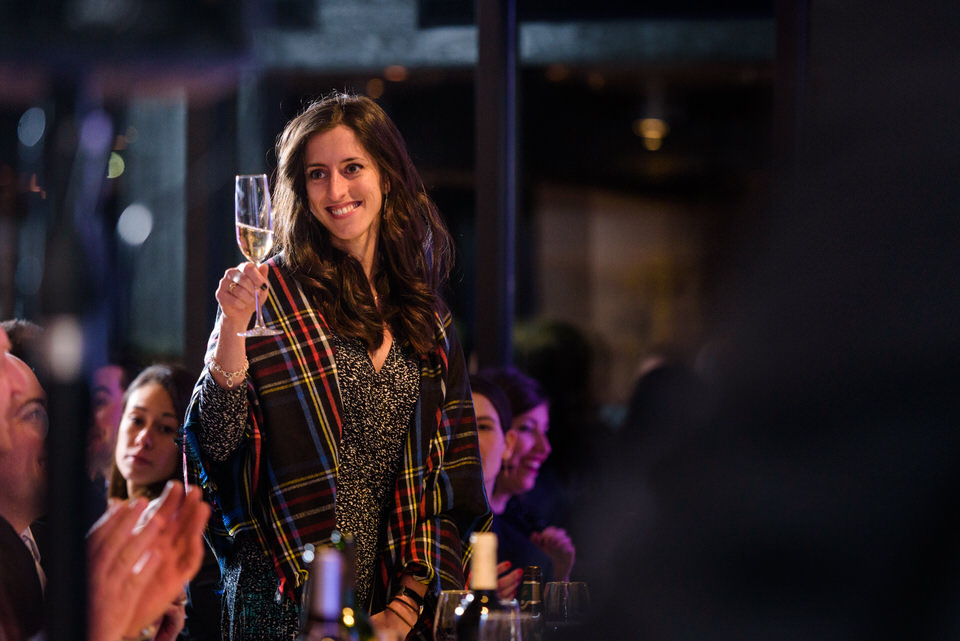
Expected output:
(326, 586)
(483, 564)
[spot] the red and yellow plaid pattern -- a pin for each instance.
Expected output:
(281, 484)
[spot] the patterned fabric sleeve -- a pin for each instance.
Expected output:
(223, 417)
(452, 503)
(222, 453)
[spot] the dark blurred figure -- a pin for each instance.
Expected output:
(23, 485)
(560, 358)
(666, 406)
(819, 501)
(108, 384)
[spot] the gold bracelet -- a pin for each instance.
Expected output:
(240, 374)
(390, 607)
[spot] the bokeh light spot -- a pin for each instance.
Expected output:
(375, 88)
(65, 338)
(32, 124)
(115, 165)
(135, 224)
(96, 132)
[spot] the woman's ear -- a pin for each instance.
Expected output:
(509, 442)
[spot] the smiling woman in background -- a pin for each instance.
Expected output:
(527, 446)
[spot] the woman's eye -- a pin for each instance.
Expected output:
(352, 168)
(167, 429)
(316, 174)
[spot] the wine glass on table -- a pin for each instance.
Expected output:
(508, 625)
(566, 604)
(445, 619)
(254, 219)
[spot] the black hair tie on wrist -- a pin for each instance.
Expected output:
(409, 592)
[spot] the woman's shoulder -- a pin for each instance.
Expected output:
(444, 325)
(280, 263)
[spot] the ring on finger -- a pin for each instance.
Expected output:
(232, 287)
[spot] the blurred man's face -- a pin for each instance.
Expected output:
(11, 380)
(23, 469)
(107, 408)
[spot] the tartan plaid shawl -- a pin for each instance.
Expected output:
(280, 485)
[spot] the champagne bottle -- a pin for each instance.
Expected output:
(482, 597)
(356, 619)
(531, 598)
(324, 598)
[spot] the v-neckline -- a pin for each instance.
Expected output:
(388, 336)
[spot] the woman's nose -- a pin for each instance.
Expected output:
(144, 438)
(337, 186)
(543, 443)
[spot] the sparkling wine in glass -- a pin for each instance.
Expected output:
(254, 218)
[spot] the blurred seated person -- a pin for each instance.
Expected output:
(106, 405)
(147, 456)
(10, 380)
(668, 399)
(134, 571)
(23, 490)
(492, 410)
(527, 446)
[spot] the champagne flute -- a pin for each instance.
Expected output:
(254, 219)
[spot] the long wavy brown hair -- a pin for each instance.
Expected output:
(414, 249)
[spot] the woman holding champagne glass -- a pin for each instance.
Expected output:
(357, 415)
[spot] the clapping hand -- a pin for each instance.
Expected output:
(556, 543)
(137, 571)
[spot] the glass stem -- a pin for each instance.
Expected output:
(256, 301)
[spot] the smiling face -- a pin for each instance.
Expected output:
(345, 191)
(147, 450)
(527, 447)
(23, 469)
(491, 436)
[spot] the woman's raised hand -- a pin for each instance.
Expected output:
(235, 294)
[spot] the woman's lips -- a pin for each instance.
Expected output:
(139, 459)
(531, 465)
(338, 211)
